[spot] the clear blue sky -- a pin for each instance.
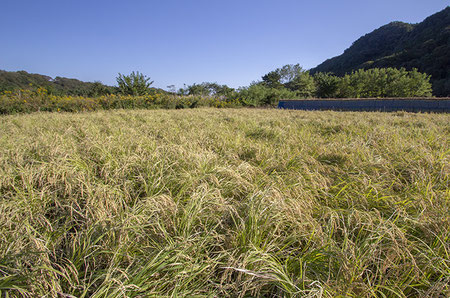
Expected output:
(178, 41)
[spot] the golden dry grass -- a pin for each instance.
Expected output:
(235, 202)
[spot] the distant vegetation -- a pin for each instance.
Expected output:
(385, 82)
(224, 203)
(425, 46)
(11, 81)
(59, 86)
(134, 91)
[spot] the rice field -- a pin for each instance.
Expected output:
(224, 202)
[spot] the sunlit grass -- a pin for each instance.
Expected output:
(235, 202)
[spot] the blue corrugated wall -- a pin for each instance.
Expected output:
(387, 105)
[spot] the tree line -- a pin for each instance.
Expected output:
(292, 81)
(288, 82)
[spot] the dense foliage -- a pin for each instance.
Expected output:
(135, 92)
(224, 203)
(385, 82)
(425, 46)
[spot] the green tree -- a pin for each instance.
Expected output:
(385, 82)
(281, 77)
(209, 89)
(327, 85)
(303, 84)
(98, 89)
(272, 80)
(261, 95)
(198, 89)
(134, 84)
(292, 77)
(289, 72)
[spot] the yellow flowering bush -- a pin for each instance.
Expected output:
(27, 101)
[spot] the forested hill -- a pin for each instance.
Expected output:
(13, 80)
(425, 46)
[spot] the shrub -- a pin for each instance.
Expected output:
(134, 84)
(260, 95)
